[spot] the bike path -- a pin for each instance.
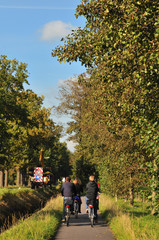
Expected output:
(80, 228)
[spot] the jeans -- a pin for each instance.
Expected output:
(86, 206)
(63, 214)
(70, 202)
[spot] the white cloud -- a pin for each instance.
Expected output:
(55, 30)
(71, 145)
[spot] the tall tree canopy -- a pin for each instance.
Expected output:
(25, 125)
(119, 46)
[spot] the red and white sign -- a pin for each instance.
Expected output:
(38, 174)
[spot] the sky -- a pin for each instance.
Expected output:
(29, 30)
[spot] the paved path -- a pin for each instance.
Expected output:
(80, 229)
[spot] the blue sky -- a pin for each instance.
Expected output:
(29, 30)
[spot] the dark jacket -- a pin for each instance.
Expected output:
(79, 189)
(91, 190)
(68, 189)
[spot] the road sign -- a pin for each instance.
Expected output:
(38, 174)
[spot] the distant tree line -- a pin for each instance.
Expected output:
(115, 104)
(25, 128)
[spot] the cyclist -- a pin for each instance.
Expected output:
(79, 190)
(68, 190)
(91, 194)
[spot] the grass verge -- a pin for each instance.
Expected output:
(16, 203)
(41, 225)
(129, 223)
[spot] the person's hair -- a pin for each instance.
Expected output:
(77, 180)
(68, 179)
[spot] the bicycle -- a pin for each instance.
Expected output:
(68, 214)
(76, 205)
(91, 214)
(68, 203)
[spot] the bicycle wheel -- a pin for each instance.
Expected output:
(67, 220)
(89, 213)
(76, 209)
(67, 216)
(92, 216)
(92, 221)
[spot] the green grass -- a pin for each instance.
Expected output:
(146, 227)
(17, 202)
(41, 225)
(13, 190)
(130, 223)
(138, 209)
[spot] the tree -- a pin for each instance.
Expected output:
(25, 124)
(12, 76)
(119, 45)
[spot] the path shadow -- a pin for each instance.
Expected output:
(83, 220)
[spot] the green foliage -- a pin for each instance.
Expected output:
(25, 125)
(12, 75)
(116, 120)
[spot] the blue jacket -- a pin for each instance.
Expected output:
(68, 189)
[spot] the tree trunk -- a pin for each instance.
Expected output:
(18, 177)
(1, 179)
(6, 178)
(21, 178)
(29, 181)
(131, 191)
(24, 177)
(153, 211)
